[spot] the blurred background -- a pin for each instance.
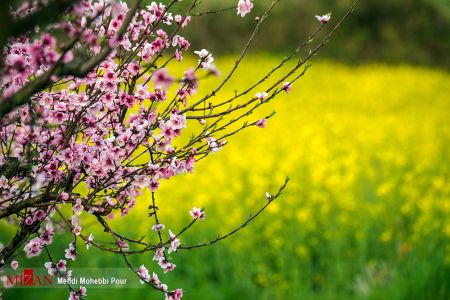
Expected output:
(406, 31)
(364, 137)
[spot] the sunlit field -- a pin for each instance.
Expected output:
(364, 216)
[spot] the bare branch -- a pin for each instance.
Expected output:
(251, 218)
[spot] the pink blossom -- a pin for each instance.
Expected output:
(154, 184)
(141, 181)
(39, 215)
(29, 221)
(82, 291)
(244, 7)
(71, 252)
(68, 57)
(14, 264)
(47, 236)
(76, 228)
(64, 196)
(190, 79)
(78, 207)
(34, 247)
(205, 58)
(162, 79)
(143, 274)
(184, 21)
(163, 287)
(48, 41)
(73, 296)
(167, 132)
(51, 269)
(167, 266)
(287, 87)
(17, 62)
(197, 213)
(158, 227)
(213, 144)
(178, 55)
(159, 254)
(155, 280)
(324, 19)
(261, 123)
(122, 245)
(114, 25)
(174, 295)
(174, 243)
(190, 164)
(177, 121)
(110, 76)
(89, 241)
(61, 265)
(133, 68)
(3, 182)
(212, 69)
(261, 96)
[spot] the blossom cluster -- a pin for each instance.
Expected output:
(85, 133)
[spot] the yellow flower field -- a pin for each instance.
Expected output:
(367, 208)
(364, 216)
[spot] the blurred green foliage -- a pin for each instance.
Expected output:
(413, 31)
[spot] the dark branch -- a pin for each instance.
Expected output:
(251, 218)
